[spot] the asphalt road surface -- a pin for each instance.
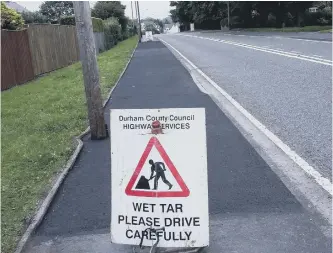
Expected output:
(282, 79)
(251, 210)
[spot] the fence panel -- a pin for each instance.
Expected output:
(99, 42)
(52, 47)
(16, 64)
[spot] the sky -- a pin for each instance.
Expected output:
(153, 9)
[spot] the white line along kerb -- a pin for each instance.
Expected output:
(321, 180)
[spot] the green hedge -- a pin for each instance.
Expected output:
(96, 22)
(69, 20)
(112, 31)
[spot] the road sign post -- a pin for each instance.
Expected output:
(159, 177)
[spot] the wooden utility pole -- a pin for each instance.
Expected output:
(90, 69)
(138, 9)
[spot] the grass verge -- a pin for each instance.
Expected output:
(39, 121)
(326, 31)
(291, 29)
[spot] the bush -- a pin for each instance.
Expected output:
(97, 23)
(290, 20)
(69, 20)
(224, 22)
(10, 19)
(271, 20)
(125, 35)
(235, 22)
(132, 30)
(34, 17)
(112, 31)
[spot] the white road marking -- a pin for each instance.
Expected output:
(315, 41)
(279, 37)
(293, 53)
(307, 168)
(272, 51)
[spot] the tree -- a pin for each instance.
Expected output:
(208, 11)
(208, 14)
(242, 14)
(174, 15)
(297, 9)
(34, 17)
(151, 25)
(10, 19)
(53, 10)
(108, 9)
(154, 22)
(167, 20)
(183, 13)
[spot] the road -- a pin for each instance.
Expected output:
(283, 79)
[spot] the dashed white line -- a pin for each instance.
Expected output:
(271, 51)
(314, 41)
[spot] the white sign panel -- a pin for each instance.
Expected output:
(149, 35)
(159, 177)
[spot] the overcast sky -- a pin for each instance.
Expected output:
(152, 9)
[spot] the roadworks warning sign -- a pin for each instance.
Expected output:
(159, 177)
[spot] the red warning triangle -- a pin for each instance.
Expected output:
(184, 192)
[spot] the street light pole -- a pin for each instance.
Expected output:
(228, 15)
(90, 69)
(132, 13)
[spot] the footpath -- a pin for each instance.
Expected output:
(251, 210)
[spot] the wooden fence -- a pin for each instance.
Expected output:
(52, 47)
(99, 39)
(39, 49)
(16, 64)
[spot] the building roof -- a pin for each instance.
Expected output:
(15, 6)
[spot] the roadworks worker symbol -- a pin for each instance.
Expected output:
(155, 175)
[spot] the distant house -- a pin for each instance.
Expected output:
(167, 27)
(13, 5)
(313, 9)
(171, 28)
(143, 27)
